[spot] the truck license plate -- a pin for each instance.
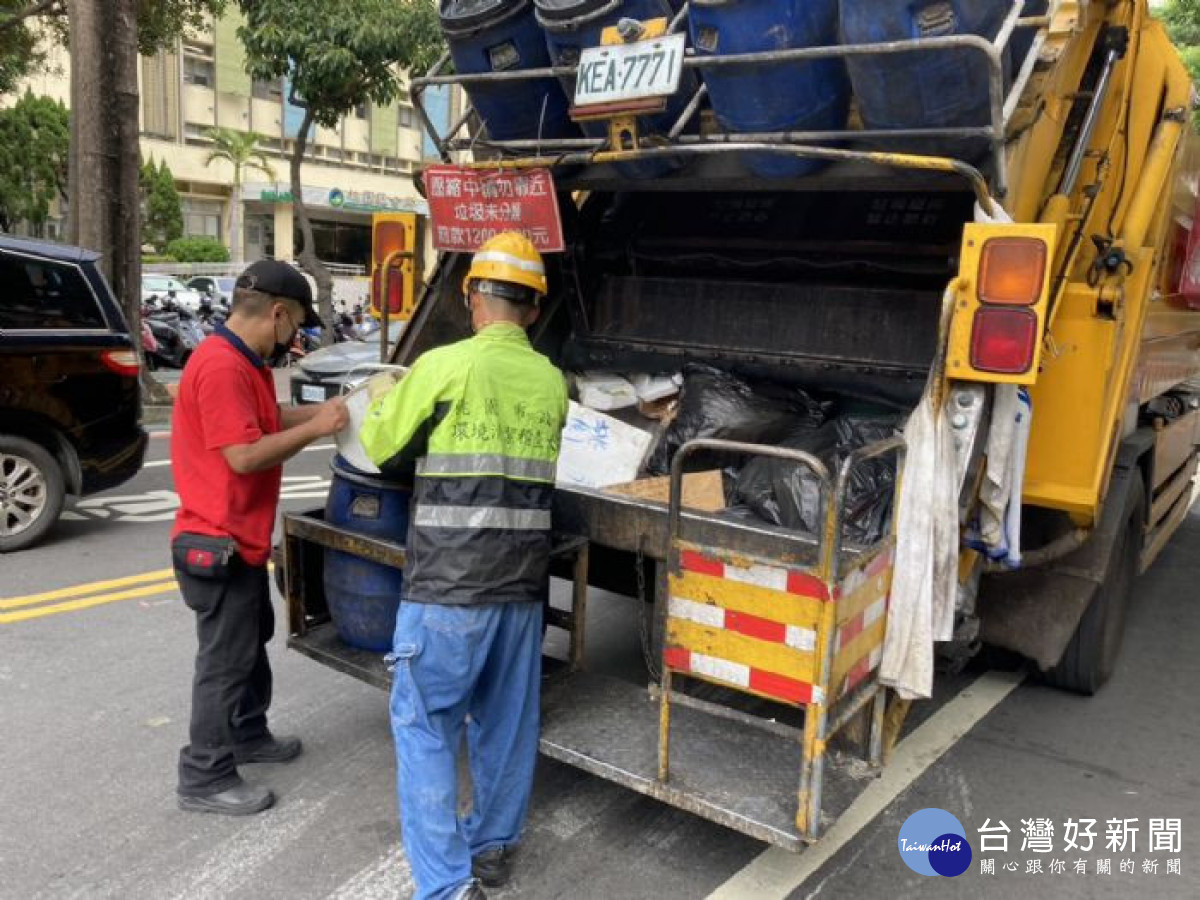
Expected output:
(619, 72)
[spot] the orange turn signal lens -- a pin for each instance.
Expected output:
(1011, 271)
(390, 237)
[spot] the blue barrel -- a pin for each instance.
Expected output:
(573, 25)
(363, 596)
(798, 96)
(922, 89)
(502, 36)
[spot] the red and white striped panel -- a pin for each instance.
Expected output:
(742, 623)
(864, 667)
(775, 578)
(860, 576)
(861, 623)
(741, 676)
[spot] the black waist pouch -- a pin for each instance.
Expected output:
(203, 556)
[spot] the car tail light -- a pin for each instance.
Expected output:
(123, 362)
(1012, 271)
(1003, 340)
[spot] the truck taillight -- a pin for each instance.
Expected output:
(1003, 340)
(123, 362)
(1003, 289)
(1011, 271)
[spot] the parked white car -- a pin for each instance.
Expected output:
(219, 287)
(160, 287)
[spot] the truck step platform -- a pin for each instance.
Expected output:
(745, 778)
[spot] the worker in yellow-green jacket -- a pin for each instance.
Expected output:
(480, 420)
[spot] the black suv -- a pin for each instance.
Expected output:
(69, 401)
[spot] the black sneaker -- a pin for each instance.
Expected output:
(472, 892)
(271, 750)
(493, 867)
(240, 800)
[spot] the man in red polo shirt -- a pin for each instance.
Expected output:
(229, 439)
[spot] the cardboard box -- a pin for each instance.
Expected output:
(703, 491)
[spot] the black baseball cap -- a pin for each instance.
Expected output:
(280, 279)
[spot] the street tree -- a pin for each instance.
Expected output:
(335, 56)
(35, 142)
(241, 151)
(162, 208)
(104, 38)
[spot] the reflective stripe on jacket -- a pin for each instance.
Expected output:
(481, 422)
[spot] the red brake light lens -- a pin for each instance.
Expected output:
(1011, 271)
(1003, 340)
(123, 362)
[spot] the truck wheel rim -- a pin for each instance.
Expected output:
(22, 494)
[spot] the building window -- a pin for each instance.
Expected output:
(360, 111)
(406, 117)
(198, 71)
(268, 90)
(202, 218)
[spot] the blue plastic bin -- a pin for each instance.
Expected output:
(363, 596)
(798, 96)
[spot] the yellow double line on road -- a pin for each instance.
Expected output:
(83, 596)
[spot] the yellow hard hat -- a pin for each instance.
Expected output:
(511, 257)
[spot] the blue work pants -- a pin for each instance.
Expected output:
(450, 663)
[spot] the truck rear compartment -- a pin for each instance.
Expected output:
(838, 295)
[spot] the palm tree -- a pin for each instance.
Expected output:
(240, 149)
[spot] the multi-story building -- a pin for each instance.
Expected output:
(364, 165)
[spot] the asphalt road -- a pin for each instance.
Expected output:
(94, 686)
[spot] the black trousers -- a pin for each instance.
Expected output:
(232, 687)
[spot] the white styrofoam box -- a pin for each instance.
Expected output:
(656, 387)
(605, 391)
(598, 450)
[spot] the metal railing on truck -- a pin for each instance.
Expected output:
(804, 144)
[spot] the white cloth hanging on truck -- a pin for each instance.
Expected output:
(925, 579)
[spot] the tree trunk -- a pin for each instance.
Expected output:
(104, 211)
(237, 242)
(308, 253)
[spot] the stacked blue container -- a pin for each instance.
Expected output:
(571, 26)
(503, 36)
(922, 89)
(797, 96)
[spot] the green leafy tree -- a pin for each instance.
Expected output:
(163, 212)
(35, 145)
(336, 56)
(241, 151)
(26, 27)
(1182, 18)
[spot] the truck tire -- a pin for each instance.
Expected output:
(32, 489)
(1091, 657)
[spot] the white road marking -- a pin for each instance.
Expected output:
(776, 872)
(388, 878)
(244, 859)
(160, 463)
(161, 505)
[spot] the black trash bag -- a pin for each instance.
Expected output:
(716, 404)
(789, 495)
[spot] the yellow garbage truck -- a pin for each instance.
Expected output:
(930, 301)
